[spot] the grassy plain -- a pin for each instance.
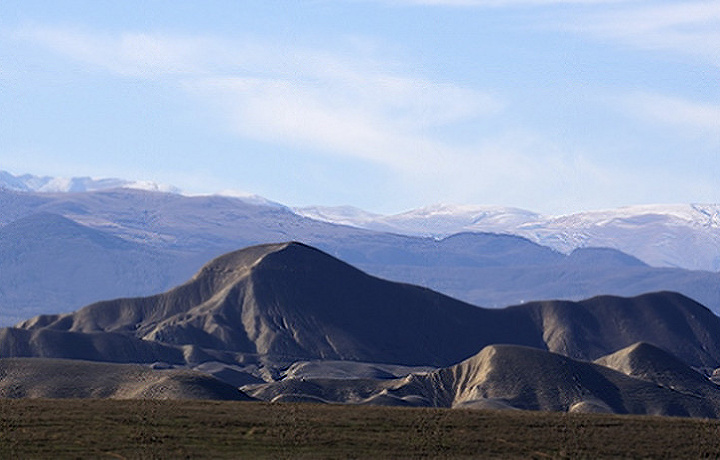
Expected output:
(204, 429)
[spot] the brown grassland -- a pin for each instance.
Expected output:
(32, 428)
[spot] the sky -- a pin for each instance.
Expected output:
(555, 106)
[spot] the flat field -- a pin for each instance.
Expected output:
(31, 428)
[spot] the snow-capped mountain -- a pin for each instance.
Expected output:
(438, 220)
(682, 235)
(47, 184)
(679, 235)
(343, 215)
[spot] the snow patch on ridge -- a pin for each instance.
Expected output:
(666, 235)
(47, 184)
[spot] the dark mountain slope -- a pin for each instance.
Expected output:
(595, 327)
(295, 301)
(53, 226)
(585, 275)
(602, 256)
(105, 346)
(292, 301)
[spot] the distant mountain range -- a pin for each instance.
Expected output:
(288, 322)
(675, 235)
(59, 251)
(683, 235)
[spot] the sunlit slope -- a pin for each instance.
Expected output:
(509, 377)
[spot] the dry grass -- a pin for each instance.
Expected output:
(192, 429)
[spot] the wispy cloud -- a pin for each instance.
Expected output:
(687, 27)
(691, 28)
(302, 115)
(348, 105)
(130, 54)
(691, 117)
(337, 104)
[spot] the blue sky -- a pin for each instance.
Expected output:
(549, 105)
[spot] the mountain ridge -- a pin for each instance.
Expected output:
(289, 322)
(689, 233)
(49, 184)
(682, 235)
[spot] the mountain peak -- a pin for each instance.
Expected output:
(238, 263)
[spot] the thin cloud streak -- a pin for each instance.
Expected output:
(303, 116)
(138, 55)
(687, 116)
(342, 107)
(686, 27)
(691, 28)
(334, 104)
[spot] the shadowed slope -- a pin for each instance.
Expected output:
(595, 327)
(106, 346)
(51, 263)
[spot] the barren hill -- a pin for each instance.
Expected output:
(506, 377)
(652, 364)
(292, 301)
(57, 378)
